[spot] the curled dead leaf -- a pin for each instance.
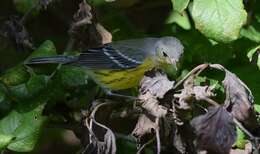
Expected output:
(191, 93)
(144, 125)
(83, 15)
(107, 146)
(202, 92)
(86, 31)
(151, 105)
(99, 144)
(215, 131)
(239, 101)
(44, 3)
(16, 32)
(248, 149)
(105, 35)
(156, 83)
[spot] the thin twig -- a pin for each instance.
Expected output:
(29, 13)
(199, 68)
(212, 102)
(91, 133)
(243, 128)
(157, 131)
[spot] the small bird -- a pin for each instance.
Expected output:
(121, 65)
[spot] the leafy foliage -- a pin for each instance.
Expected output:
(216, 31)
(211, 18)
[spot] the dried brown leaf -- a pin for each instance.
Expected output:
(158, 85)
(239, 100)
(83, 15)
(105, 35)
(107, 146)
(151, 105)
(85, 29)
(16, 32)
(191, 93)
(202, 92)
(100, 144)
(248, 149)
(215, 131)
(44, 3)
(154, 85)
(144, 125)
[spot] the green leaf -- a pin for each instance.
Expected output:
(5, 140)
(15, 76)
(251, 33)
(47, 48)
(5, 103)
(36, 83)
(220, 20)
(180, 5)
(32, 87)
(73, 76)
(19, 91)
(199, 80)
(24, 6)
(257, 108)
(254, 51)
(2, 96)
(126, 147)
(257, 18)
(99, 2)
(22, 127)
(19, 74)
(180, 19)
(241, 141)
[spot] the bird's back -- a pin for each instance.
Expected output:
(130, 60)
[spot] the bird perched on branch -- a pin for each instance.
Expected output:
(122, 64)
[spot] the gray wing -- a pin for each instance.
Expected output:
(118, 55)
(137, 49)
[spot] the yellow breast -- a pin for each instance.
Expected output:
(122, 79)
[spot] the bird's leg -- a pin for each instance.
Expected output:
(110, 93)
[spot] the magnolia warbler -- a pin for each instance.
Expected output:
(122, 64)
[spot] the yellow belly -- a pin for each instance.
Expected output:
(122, 79)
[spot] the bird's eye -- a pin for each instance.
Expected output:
(164, 54)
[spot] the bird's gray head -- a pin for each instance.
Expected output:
(168, 50)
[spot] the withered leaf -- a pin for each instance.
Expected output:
(83, 16)
(105, 146)
(215, 131)
(105, 35)
(157, 85)
(203, 92)
(151, 105)
(85, 24)
(191, 93)
(154, 85)
(44, 3)
(15, 31)
(144, 125)
(239, 100)
(248, 149)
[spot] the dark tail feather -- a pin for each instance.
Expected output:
(59, 59)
